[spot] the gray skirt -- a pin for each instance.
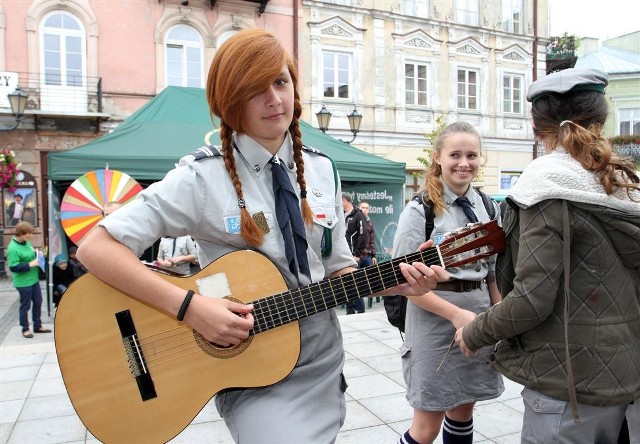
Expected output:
(460, 380)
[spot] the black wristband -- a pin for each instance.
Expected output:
(185, 305)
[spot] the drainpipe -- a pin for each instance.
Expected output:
(535, 59)
(295, 31)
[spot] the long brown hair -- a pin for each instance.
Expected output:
(575, 121)
(244, 66)
(432, 186)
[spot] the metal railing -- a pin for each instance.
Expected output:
(57, 93)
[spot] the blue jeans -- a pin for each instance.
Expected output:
(357, 306)
(28, 296)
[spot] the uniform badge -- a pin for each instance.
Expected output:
(232, 224)
(262, 222)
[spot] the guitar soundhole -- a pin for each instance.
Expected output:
(218, 351)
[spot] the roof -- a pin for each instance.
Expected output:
(611, 60)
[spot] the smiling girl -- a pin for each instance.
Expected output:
(442, 384)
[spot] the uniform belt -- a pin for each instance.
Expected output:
(458, 285)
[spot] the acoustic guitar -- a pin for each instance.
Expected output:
(136, 375)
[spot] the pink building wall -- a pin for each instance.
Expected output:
(124, 49)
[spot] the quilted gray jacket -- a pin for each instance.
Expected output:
(598, 323)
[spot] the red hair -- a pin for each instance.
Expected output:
(245, 66)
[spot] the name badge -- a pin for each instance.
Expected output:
(232, 224)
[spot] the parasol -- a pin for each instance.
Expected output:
(82, 204)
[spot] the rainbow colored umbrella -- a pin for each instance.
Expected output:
(82, 205)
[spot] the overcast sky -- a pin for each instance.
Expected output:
(602, 19)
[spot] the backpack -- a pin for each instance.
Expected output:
(396, 306)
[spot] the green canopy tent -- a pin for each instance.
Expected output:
(177, 121)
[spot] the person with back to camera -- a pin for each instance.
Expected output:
(568, 328)
(228, 199)
(442, 384)
(25, 270)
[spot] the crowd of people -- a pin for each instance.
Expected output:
(558, 311)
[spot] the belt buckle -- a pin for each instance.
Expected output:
(468, 286)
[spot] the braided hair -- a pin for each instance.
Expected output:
(245, 66)
(575, 120)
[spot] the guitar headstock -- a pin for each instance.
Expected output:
(472, 243)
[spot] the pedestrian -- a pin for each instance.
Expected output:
(176, 253)
(62, 277)
(442, 384)
(24, 264)
(357, 240)
(77, 268)
(568, 328)
(248, 193)
(369, 257)
(110, 207)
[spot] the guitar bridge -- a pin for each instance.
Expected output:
(135, 355)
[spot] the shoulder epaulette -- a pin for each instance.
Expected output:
(201, 153)
(311, 149)
(206, 151)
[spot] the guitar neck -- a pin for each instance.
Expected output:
(292, 305)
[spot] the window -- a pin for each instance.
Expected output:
(508, 179)
(416, 8)
(629, 122)
(184, 55)
(467, 89)
(412, 182)
(63, 58)
(467, 12)
(512, 16)
(336, 74)
(63, 50)
(415, 84)
(512, 94)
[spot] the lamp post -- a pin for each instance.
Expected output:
(354, 117)
(18, 102)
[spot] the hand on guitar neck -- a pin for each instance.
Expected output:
(420, 277)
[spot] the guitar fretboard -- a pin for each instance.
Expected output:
(280, 309)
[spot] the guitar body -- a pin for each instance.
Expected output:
(185, 370)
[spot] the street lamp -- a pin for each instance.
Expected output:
(354, 117)
(18, 102)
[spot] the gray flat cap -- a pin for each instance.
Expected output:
(572, 79)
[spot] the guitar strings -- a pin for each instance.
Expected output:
(170, 344)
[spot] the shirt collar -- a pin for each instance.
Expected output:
(450, 197)
(257, 157)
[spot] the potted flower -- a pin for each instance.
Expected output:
(9, 169)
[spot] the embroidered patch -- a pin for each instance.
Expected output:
(262, 222)
(232, 224)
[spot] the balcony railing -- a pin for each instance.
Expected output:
(55, 94)
(628, 150)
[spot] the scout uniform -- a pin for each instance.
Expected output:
(198, 199)
(460, 380)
